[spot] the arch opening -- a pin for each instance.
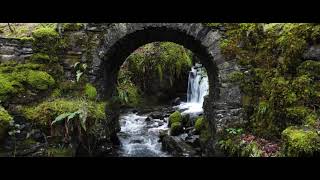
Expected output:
(116, 55)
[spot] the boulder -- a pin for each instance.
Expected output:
(176, 101)
(176, 147)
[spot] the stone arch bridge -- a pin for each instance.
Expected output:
(118, 40)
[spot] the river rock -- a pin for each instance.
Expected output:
(158, 115)
(193, 140)
(176, 147)
(148, 119)
(176, 101)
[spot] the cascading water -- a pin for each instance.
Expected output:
(140, 138)
(197, 85)
(198, 88)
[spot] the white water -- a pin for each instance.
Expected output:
(140, 138)
(198, 88)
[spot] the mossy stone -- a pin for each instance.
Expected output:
(90, 91)
(175, 117)
(300, 142)
(5, 119)
(176, 129)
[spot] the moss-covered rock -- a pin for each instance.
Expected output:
(7, 87)
(45, 39)
(175, 117)
(300, 142)
(90, 91)
(43, 58)
(5, 119)
(199, 125)
(176, 129)
(44, 113)
(18, 78)
(39, 80)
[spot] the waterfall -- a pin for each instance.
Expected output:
(198, 88)
(197, 85)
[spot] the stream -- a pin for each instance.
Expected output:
(139, 135)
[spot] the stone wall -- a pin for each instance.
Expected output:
(14, 49)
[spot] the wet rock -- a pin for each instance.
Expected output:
(186, 121)
(148, 119)
(136, 141)
(176, 146)
(163, 133)
(176, 101)
(193, 140)
(158, 115)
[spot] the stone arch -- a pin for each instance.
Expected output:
(121, 39)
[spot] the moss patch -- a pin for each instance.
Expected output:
(39, 80)
(5, 119)
(90, 91)
(17, 78)
(300, 142)
(175, 117)
(199, 125)
(44, 113)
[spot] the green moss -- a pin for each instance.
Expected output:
(297, 115)
(311, 68)
(25, 40)
(11, 67)
(128, 93)
(7, 87)
(69, 88)
(45, 33)
(176, 129)
(72, 26)
(90, 91)
(43, 58)
(46, 40)
(40, 80)
(5, 119)
(17, 78)
(311, 120)
(300, 142)
(175, 117)
(205, 133)
(165, 62)
(236, 76)
(199, 125)
(44, 113)
(59, 152)
(232, 147)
